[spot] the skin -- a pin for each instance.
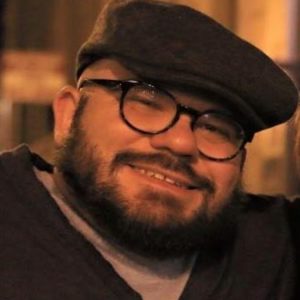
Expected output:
(107, 134)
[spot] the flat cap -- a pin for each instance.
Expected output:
(172, 43)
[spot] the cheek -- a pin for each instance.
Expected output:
(105, 129)
(227, 176)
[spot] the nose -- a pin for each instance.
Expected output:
(179, 139)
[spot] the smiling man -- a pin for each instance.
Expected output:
(158, 169)
(145, 199)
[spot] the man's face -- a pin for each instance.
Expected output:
(153, 184)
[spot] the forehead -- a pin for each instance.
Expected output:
(106, 69)
(112, 69)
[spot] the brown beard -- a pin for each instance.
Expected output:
(102, 202)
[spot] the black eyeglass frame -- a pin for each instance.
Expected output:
(126, 85)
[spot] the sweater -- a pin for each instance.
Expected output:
(42, 257)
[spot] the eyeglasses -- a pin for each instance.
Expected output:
(151, 110)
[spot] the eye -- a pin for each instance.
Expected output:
(146, 102)
(217, 128)
(222, 132)
(147, 98)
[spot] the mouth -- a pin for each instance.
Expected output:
(179, 183)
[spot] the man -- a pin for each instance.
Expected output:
(145, 199)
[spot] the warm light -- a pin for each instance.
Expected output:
(31, 76)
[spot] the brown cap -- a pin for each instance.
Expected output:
(175, 44)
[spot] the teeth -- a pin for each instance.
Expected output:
(169, 180)
(160, 177)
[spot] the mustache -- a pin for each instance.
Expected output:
(168, 162)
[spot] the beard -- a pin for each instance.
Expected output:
(210, 233)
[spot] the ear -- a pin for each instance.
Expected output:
(64, 107)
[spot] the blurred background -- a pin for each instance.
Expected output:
(39, 41)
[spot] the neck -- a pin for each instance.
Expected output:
(70, 197)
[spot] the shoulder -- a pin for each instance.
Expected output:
(18, 179)
(294, 205)
(294, 220)
(20, 189)
(11, 158)
(264, 205)
(264, 224)
(293, 210)
(20, 159)
(265, 216)
(264, 246)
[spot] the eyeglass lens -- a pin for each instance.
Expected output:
(152, 110)
(148, 109)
